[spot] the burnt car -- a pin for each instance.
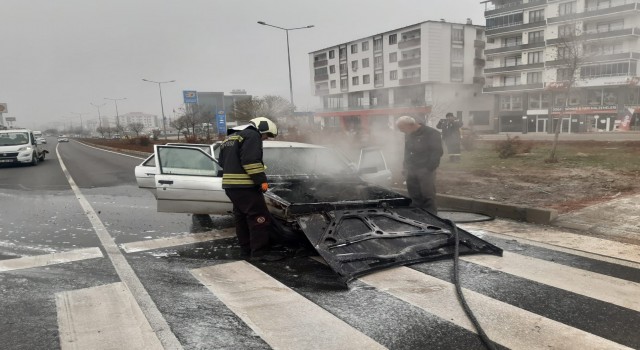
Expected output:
(339, 208)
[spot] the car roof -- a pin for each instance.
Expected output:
(16, 130)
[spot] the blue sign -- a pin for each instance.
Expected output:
(221, 123)
(190, 96)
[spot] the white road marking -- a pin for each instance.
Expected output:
(556, 248)
(106, 150)
(167, 242)
(594, 285)
(123, 269)
(103, 317)
(28, 262)
(283, 318)
(552, 236)
(505, 324)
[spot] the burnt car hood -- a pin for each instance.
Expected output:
(359, 228)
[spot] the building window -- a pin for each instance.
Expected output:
(609, 26)
(332, 69)
(332, 54)
(536, 37)
(534, 57)
(377, 44)
(355, 81)
(512, 41)
(321, 71)
(504, 21)
(564, 74)
(333, 84)
(511, 80)
(393, 39)
(512, 61)
(605, 70)
(536, 16)
(604, 49)
(393, 75)
(354, 66)
(567, 8)
(563, 53)
(366, 79)
(365, 63)
(343, 53)
(393, 57)
(457, 54)
(320, 57)
(534, 77)
(510, 102)
(377, 62)
(354, 48)
(365, 46)
(344, 84)
(566, 31)
(378, 79)
(457, 73)
(538, 100)
(343, 68)
(457, 34)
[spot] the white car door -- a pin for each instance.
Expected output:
(146, 174)
(373, 168)
(187, 181)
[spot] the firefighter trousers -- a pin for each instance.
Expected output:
(254, 225)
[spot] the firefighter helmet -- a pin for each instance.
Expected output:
(265, 126)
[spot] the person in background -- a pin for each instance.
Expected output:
(422, 153)
(244, 181)
(451, 135)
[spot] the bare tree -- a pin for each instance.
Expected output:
(102, 130)
(179, 124)
(439, 109)
(136, 128)
(269, 106)
(571, 56)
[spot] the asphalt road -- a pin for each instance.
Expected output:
(91, 264)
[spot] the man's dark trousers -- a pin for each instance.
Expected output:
(421, 185)
(252, 219)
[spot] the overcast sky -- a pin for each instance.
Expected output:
(58, 56)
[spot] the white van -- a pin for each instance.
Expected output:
(19, 146)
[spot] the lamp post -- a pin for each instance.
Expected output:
(115, 100)
(164, 119)
(288, 52)
(596, 117)
(99, 116)
(80, 115)
(525, 126)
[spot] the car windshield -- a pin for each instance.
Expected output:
(14, 138)
(305, 161)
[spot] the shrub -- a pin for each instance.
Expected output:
(144, 140)
(512, 146)
(191, 139)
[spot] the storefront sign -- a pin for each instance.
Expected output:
(586, 109)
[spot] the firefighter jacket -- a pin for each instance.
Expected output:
(241, 159)
(423, 149)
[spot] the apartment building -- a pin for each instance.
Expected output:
(527, 67)
(149, 121)
(422, 70)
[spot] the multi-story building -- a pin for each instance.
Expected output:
(529, 44)
(422, 70)
(149, 121)
(218, 102)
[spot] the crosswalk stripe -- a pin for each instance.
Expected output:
(505, 324)
(283, 318)
(482, 233)
(167, 242)
(103, 317)
(28, 262)
(584, 243)
(594, 285)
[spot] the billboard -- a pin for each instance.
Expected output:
(190, 96)
(221, 123)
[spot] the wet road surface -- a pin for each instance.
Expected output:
(67, 253)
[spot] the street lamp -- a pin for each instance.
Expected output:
(115, 100)
(99, 116)
(164, 119)
(288, 52)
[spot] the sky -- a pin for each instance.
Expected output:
(59, 56)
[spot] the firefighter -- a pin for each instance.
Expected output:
(244, 182)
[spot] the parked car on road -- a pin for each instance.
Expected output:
(20, 146)
(63, 139)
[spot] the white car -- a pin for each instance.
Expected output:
(20, 146)
(186, 180)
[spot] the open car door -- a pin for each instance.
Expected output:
(187, 181)
(373, 168)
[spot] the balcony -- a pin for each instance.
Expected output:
(321, 77)
(414, 61)
(514, 27)
(597, 58)
(594, 35)
(409, 43)
(479, 44)
(514, 48)
(614, 8)
(513, 6)
(322, 63)
(321, 92)
(513, 87)
(409, 81)
(518, 67)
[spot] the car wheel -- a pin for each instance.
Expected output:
(34, 159)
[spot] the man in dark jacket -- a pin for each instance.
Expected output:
(422, 153)
(244, 182)
(451, 135)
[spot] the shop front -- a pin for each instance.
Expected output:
(586, 118)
